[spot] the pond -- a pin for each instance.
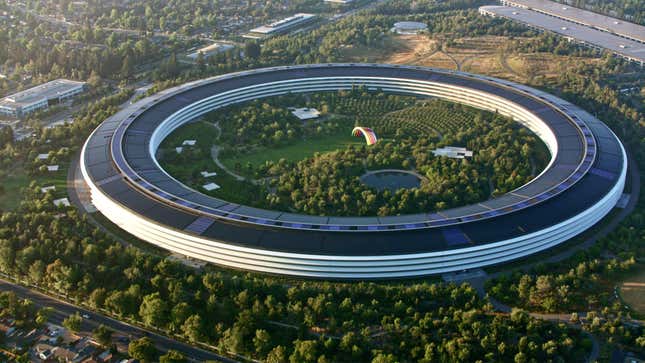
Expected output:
(391, 179)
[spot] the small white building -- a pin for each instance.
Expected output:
(207, 174)
(47, 189)
(52, 168)
(454, 152)
(62, 202)
(210, 50)
(305, 113)
(211, 186)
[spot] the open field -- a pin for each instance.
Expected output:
(632, 290)
(17, 179)
(299, 150)
(484, 55)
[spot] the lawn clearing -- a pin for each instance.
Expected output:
(17, 179)
(632, 290)
(299, 150)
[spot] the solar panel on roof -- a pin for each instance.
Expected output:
(200, 225)
(454, 236)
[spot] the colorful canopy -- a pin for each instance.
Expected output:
(370, 136)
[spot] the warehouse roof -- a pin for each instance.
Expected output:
(585, 17)
(45, 91)
(626, 47)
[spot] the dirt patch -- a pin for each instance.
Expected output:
(484, 55)
(391, 49)
(632, 290)
(415, 47)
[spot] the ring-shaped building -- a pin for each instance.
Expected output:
(581, 184)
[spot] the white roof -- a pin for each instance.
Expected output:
(52, 167)
(189, 142)
(43, 156)
(211, 186)
(47, 188)
(455, 152)
(210, 49)
(179, 149)
(62, 202)
(207, 174)
(603, 22)
(43, 92)
(410, 25)
(305, 113)
(282, 24)
(614, 43)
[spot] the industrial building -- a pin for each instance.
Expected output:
(280, 26)
(583, 17)
(628, 49)
(40, 97)
(210, 50)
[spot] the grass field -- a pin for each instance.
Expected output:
(299, 150)
(482, 54)
(632, 290)
(17, 179)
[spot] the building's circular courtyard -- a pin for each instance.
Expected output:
(581, 183)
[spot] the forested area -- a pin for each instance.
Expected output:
(267, 317)
(506, 155)
(181, 17)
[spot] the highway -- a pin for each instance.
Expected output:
(62, 310)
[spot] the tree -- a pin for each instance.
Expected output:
(172, 356)
(192, 328)
(304, 351)
(103, 335)
(73, 322)
(261, 342)
(143, 349)
(252, 50)
(277, 355)
(153, 310)
(43, 315)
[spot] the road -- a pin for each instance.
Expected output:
(62, 310)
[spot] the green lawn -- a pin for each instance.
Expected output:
(299, 150)
(17, 178)
(632, 291)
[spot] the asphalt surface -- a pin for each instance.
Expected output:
(62, 310)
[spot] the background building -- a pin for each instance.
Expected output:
(209, 50)
(280, 26)
(40, 97)
(409, 27)
(587, 36)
